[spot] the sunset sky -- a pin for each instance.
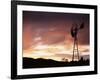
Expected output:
(47, 35)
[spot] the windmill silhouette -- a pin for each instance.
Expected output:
(74, 32)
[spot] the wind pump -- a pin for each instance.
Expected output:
(74, 33)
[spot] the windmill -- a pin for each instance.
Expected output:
(74, 32)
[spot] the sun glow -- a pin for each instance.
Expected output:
(53, 51)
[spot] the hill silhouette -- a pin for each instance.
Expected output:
(41, 63)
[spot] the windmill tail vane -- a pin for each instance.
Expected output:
(81, 26)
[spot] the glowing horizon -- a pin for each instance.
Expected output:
(53, 52)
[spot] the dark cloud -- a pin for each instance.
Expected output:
(64, 55)
(53, 27)
(86, 50)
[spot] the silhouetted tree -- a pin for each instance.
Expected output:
(65, 60)
(81, 59)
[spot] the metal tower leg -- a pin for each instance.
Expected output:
(75, 49)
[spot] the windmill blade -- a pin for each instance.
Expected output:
(81, 26)
(72, 34)
(74, 25)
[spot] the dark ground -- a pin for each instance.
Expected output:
(42, 63)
